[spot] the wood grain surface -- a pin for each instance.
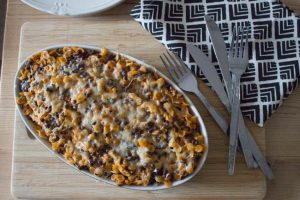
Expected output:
(282, 130)
(35, 169)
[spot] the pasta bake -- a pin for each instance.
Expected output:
(110, 116)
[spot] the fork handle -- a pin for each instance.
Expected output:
(214, 113)
(246, 146)
(224, 126)
(234, 121)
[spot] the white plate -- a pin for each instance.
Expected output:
(72, 7)
(30, 125)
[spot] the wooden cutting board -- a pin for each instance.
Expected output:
(37, 174)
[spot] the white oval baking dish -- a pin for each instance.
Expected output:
(30, 126)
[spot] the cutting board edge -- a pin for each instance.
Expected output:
(13, 191)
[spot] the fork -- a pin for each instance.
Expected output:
(238, 62)
(187, 81)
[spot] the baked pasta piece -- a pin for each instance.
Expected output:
(111, 116)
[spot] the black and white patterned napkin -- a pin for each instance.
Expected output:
(274, 67)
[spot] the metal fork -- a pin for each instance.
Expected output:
(238, 62)
(189, 83)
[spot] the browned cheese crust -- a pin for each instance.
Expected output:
(109, 115)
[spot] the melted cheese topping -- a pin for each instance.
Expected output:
(111, 116)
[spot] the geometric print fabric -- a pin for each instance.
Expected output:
(274, 43)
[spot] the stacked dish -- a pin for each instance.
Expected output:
(72, 7)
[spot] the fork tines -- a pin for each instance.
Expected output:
(239, 44)
(174, 65)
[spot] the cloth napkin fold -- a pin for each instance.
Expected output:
(274, 69)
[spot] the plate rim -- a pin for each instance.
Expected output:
(94, 10)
